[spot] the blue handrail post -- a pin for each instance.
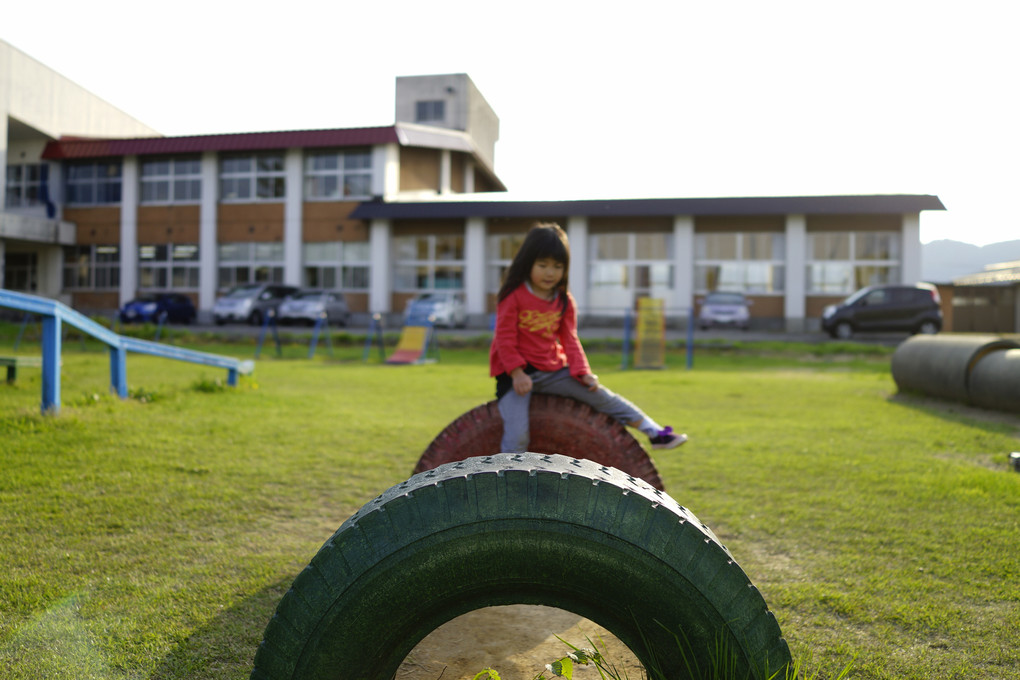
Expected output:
(232, 377)
(51, 346)
(690, 338)
(315, 335)
(160, 320)
(118, 371)
(626, 339)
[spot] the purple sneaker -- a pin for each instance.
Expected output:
(667, 439)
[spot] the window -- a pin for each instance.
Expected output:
(93, 183)
(433, 262)
(170, 266)
(25, 184)
(740, 262)
(241, 263)
(838, 263)
(21, 271)
(626, 267)
(252, 177)
(171, 180)
(430, 111)
(91, 267)
(502, 248)
(332, 175)
(337, 265)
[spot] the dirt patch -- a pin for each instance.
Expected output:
(516, 640)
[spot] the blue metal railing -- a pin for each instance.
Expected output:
(54, 314)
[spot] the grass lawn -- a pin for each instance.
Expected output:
(153, 537)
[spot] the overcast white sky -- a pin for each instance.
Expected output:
(637, 99)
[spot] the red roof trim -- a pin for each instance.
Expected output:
(84, 148)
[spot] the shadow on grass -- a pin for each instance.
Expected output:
(957, 411)
(225, 646)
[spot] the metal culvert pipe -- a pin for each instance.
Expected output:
(941, 365)
(995, 381)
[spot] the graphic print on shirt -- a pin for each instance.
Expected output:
(544, 323)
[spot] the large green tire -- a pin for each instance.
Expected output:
(521, 529)
(557, 425)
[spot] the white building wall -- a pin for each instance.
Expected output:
(42, 98)
(683, 264)
(292, 211)
(795, 294)
(577, 234)
(208, 275)
(474, 266)
(911, 230)
(379, 297)
(129, 229)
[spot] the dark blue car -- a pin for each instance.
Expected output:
(148, 308)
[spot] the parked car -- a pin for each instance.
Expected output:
(914, 309)
(445, 309)
(250, 302)
(307, 305)
(725, 309)
(149, 308)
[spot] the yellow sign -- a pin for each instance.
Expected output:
(650, 338)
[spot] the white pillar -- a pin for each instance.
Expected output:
(577, 234)
(469, 176)
(683, 264)
(379, 292)
(208, 275)
(910, 272)
(795, 293)
(292, 209)
(474, 266)
(129, 229)
(385, 170)
(51, 270)
(445, 171)
(3, 251)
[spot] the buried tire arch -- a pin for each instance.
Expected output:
(521, 529)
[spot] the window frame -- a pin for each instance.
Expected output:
(29, 191)
(743, 271)
(430, 265)
(102, 189)
(173, 178)
(847, 272)
(259, 263)
(97, 265)
(352, 169)
(255, 176)
(348, 268)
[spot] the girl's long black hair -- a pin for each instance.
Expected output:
(545, 239)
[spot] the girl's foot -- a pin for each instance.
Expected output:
(667, 439)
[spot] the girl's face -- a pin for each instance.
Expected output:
(546, 274)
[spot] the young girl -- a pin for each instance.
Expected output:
(536, 348)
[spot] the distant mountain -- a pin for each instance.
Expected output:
(942, 261)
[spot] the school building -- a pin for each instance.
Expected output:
(98, 208)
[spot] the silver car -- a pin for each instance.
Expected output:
(250, 302)
(442, 309)
(308, 305)
(725, 309)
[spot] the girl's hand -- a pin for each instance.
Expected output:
(522, 382)
(591, 381)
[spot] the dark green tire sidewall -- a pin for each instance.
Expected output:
(537, 530)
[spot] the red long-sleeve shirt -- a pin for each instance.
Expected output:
(530, 330)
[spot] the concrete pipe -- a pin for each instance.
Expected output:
(995, 381)
(941, 365)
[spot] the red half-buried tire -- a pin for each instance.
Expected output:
(558, 425)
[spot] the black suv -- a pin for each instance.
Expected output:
(915, 309)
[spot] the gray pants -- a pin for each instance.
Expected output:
(513, 407)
